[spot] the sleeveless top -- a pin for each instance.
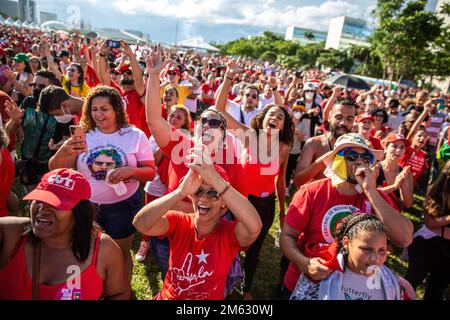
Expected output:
(16, 282)
(260, 177)
(381, 182)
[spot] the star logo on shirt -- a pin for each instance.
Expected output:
(202, 257)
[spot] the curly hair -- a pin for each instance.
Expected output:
(436, 204)
(115, 100)
(352, 225)
(286, 134)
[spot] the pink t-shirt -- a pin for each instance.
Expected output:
(123, 148)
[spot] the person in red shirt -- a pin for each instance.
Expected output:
(7, 173)
(317, 208)
(202, 244)
(365, 125)
(209, 88)
(60, 235)
(417, 138)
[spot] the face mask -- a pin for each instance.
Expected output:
(65, 118)
(297, 115)
(309, 95)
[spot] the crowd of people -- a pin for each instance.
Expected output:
(196, 152)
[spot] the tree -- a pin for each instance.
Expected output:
(269, 56)
(406, 38)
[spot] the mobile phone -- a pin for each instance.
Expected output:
(113, 44)
(77, 131)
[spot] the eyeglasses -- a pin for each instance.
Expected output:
(352, 156)
(254, 96)
(212, 123)
(109, 164)
(212, 195)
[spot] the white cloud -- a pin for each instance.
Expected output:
(261, 13)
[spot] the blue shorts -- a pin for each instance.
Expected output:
(117, 218)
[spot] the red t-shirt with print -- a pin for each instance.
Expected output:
(316, 211)
(198, 268)
(415, 159)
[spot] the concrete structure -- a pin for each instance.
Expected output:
(344, 32)
(48, 16)
(298, 34)
(27, 10)
(10, 8)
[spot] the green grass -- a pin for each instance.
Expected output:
(147, 282)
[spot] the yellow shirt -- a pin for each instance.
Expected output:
(183, 92)
(77, 91)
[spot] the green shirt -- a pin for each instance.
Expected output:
(32, 124)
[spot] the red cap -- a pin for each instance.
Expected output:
(393, 138)
(173, 69)
(364, 116)
(62, 189)
(124, 68)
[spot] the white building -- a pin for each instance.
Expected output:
(344, 32)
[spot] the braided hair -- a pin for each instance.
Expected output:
(352, 225)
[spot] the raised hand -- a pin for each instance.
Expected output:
(13, 111)
(154, 63)
(126, 48)
(233, 68)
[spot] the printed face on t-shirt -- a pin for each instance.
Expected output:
(103, 160)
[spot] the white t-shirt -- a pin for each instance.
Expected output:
(125, 147)
(355, 287)
(234, 110)
(155, 188)
(395, 120)
(263, 101)
(191, 104)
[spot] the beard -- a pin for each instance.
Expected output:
(36, 94)
(127, 82)
(335, 131)
(99, 175)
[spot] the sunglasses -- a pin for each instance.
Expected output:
(106, 163)
(212, 195)
(72, 70)
(171, 73)
(212, 123)
(254, 96)
(352, 156)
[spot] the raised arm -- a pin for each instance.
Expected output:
(137, 73)
(150, 219)
(222, 96)
(415, 127)
(398, 228)
(103, 72)
(307, 168)
(330, 103)
(52, 67)
(249, 225)
(159, 127)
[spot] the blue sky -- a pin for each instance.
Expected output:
(219, 20)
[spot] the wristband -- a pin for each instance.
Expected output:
(224, 190)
